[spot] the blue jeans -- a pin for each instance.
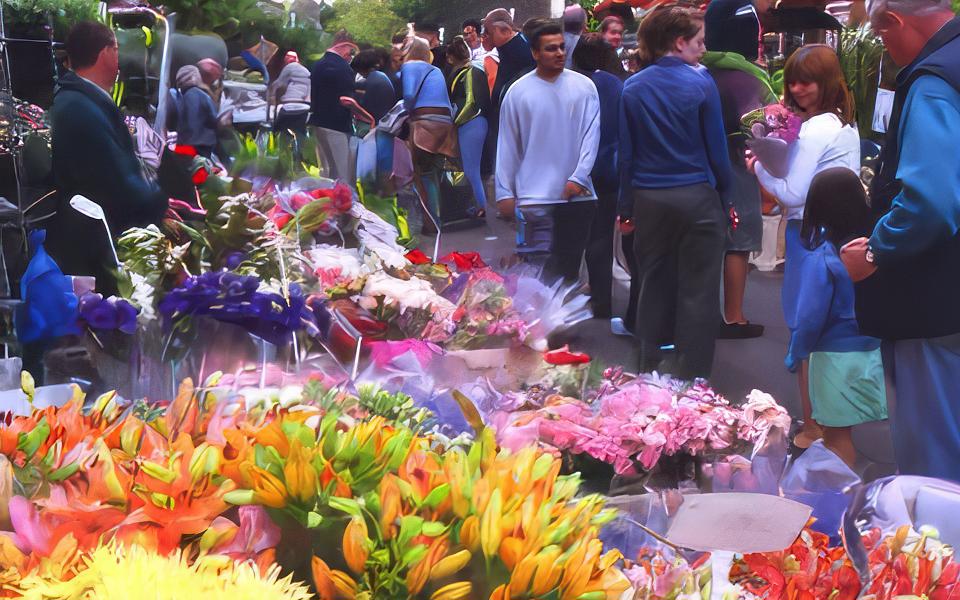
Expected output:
(472, 135)
(924, 412)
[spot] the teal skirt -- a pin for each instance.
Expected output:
(847, 388)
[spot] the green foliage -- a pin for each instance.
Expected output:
(413, 11)
(247, 19)
(223, 17)
(64, 12)
(860, 52)
(368, 21)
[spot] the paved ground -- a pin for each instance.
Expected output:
(739, 366)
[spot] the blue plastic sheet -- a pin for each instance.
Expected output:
(49, 308)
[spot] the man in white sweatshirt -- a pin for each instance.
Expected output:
(549, 134)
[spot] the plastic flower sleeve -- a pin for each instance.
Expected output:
(890, 503)
(635, 515)
(820, 479)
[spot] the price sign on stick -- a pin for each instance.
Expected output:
(742, 523)
(724, 524)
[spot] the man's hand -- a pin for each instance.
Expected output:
(506, 207)
(625, 224)
(854, 257)
(573, 190)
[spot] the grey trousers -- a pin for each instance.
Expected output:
(679, 245)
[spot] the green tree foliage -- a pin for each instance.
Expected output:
(248, 19)
(64, 12)
(412, 11)
(369, 21)
(860, 52)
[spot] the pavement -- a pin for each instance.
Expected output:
(739, 365)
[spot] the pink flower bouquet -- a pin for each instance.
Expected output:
(771, 130)
(635, 425)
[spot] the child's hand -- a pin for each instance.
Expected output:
(855, 258)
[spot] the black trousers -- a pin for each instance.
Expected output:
(600, 254)
(555, 236)
(678, 244)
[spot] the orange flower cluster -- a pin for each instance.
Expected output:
(810, 569)
(388, 513)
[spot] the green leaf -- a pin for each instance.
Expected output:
(30, 442)
(345, 505)
(239, 497)
(313, 520)
(413, 555)
(437, 495)
(410, 527)
(64, 472)
(433, 529)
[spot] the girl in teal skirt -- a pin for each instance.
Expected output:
(846, 373)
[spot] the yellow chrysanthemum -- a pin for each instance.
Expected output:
(115, 573)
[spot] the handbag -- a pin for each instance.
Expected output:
(396, 117)
(393, 122)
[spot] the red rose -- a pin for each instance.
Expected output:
(464, 261)
(200, 176)
(417, 257)
(185, 150)
(563, 356)
(279, 216)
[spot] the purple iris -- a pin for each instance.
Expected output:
(106, 314)
(231, 298)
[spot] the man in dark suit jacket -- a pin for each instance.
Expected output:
(331, 78)
(93, 155)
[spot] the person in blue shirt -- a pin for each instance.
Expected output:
(590, 57)
(674, 165)
(845, 369)
(432, 134)
(909, 292)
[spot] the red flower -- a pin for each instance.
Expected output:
(417, 257)
(563, 356)
(464, 261)
(342, 198)
(189, 151)
(279, 216)
(300, 199)
(200, 176)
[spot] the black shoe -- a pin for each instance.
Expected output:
(739, 331)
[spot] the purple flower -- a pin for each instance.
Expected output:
(108, 314)
(234, 260)
(231, 298)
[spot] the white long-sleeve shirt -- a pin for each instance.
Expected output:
(824, 142)
(549, 134)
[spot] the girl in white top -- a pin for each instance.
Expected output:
(816, 90)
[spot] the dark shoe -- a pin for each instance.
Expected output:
(476, 213)
(739, 331)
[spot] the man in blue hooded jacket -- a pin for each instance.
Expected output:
(909, 292)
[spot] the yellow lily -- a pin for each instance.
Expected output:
(470, 533)
(267, 489)
(390, 505)
(453, 591)
(490, 532)
(450, 565)
(345, 585)
(355, 543)
(299, 474)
